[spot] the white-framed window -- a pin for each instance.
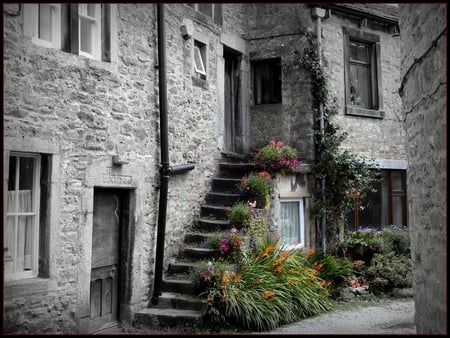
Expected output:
(84, 29)
(42, 22)
(89, 30)
(292, 230)
(200, 59)
(21, 229)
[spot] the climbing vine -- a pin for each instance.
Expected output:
(347, 176)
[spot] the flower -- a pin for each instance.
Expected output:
(277, 157)
(256, 185)
(230, 241)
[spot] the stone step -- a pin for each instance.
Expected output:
(168, 317)
(222, 198)
(182, 301)
(184, 286)
(214, 211)
(196, 253)
(211, 225)
(225, 185)
(235, 170)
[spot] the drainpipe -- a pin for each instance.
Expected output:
(165, 169)
(319, 13)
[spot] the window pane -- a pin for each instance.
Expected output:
(12, 173)
(359, 52)
(26, 173)
(267, 82)
(198, 61)
(397, 210)
(91, 10)
(397, 181)
(45, 23)
(86, 35)
(290, 223)
(25, 235)
(360, 86)
(205, 9)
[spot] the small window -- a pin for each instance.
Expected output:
(21, 230)
(267, 81)
(362, 78)
(200, 59)
(292, 215)
(42, 23)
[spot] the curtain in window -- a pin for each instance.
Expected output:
(18, 240)
(290, 223)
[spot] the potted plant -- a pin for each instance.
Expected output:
(255, 187)
(276, 157)
(239, 214)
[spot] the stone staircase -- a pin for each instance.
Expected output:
(179, 304)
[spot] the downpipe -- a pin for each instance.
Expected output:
(165, 169)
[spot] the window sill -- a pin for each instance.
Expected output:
(200, 82)
(28, 286)
(356, 111)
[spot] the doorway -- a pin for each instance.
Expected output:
(110, 215)
(232, 98)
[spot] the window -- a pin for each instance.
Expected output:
(200, 59)
(386, 206)
(267, 81)
(83, 29)
(362, 73)
(21, 230)
(213, 11)
(292, 223)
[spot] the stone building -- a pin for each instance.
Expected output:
(82, 135)
(423, 89)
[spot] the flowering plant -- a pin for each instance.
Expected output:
(240, 213)
(256, 186)
(277, 157)
(229, 243)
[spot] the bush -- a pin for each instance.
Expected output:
(239, 214)
(277, 157)
(388, 271)
(272, 287)
(256, 186)
(396, 240)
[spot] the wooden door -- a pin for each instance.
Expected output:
(105, 257)
(232, 110)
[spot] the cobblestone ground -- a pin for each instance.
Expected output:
(385, 316)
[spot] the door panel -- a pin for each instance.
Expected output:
(105, 256)
(232, 111)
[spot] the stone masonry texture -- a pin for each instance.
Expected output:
(424, 87)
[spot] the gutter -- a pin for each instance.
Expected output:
(165, 169)
(320, 13)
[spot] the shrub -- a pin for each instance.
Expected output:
(388, 271)
(272, 287)
(396, 240)
(239, 214)
(256, 186)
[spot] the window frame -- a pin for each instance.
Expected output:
(36, 196)
(66, 29)
(257, 83)
(374, 83)
(216, 10)
(386, 196)
(200, 51)
(301, 213)
(31, 25)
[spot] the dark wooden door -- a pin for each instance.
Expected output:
(105, 257)
(232, 111)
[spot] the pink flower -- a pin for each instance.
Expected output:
(252, 204)
(279, 144)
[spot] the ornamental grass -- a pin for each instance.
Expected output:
(272, 287)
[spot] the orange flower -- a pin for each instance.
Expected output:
(317, 265)
(268, 294)
(311, 252)
(278, 269)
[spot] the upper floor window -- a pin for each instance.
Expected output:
(83, 29)
(21, 229)
(362, 73)
(214, 11)
(267, 81)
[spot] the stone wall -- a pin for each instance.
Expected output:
(424, 88)
(82, 112)
(371, 138)
(279, 31)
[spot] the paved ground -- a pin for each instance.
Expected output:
(388, 316)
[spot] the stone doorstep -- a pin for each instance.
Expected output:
(152, 317)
